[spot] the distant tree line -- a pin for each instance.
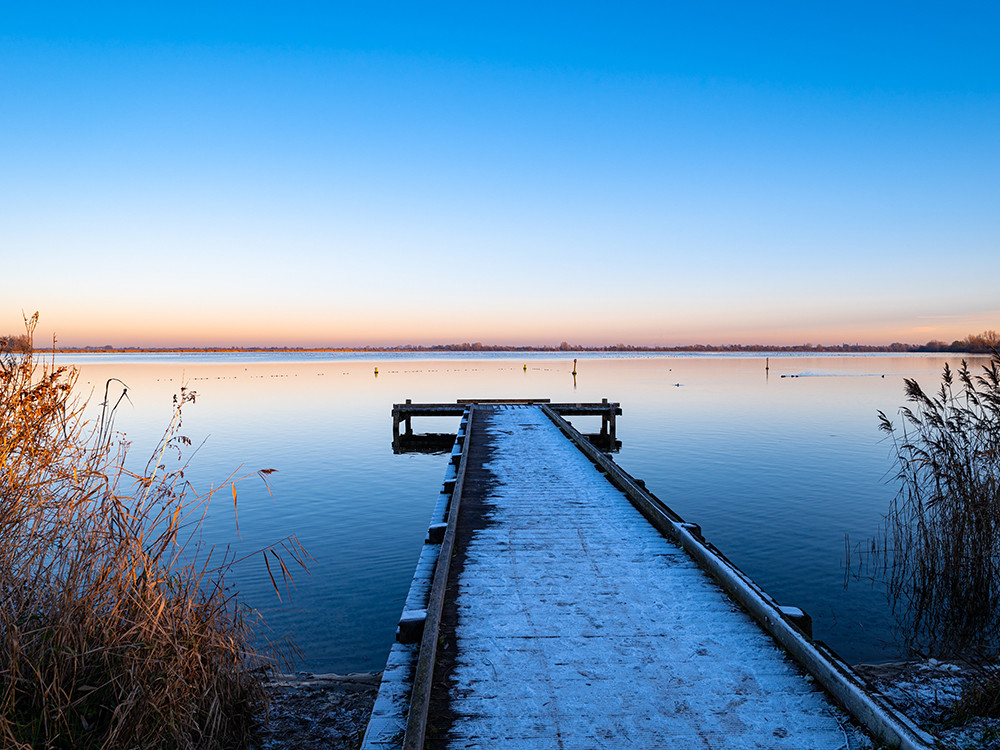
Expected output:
(20, 343)
(975, 343)
(984, 342)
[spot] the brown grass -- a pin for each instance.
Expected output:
(939, 551)
(113, 632)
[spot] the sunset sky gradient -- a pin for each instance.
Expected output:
(327, 174)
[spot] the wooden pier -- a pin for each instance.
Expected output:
(559, 604)
(404, 439)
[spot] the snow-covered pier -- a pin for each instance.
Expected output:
(404, 439)
(559, 604)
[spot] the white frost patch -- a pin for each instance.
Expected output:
(580, 626)
(927, 691)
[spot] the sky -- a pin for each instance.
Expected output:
(343, 174)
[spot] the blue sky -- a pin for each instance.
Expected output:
(324, 174)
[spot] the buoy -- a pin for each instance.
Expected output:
(574, 367)
(376, 372)
(525, 368)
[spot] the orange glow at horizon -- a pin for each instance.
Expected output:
(158, 331)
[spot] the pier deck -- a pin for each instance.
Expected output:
(563, 618)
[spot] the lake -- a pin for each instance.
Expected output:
(777, 465)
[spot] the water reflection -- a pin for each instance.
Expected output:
(775, 470)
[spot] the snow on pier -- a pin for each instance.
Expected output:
(565, 619)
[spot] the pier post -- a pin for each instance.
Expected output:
(409, 425)
(608, 421)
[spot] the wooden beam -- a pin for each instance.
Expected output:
(423, 674)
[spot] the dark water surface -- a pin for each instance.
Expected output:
(777, 470)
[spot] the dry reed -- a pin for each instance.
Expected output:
(113, 633)
(939, 550)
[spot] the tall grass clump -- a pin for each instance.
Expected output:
(114, 631)
(939, 550)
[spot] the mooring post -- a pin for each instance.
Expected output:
(395, 429)
(605, 422)
(409, 425)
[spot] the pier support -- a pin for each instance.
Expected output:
(404, 440)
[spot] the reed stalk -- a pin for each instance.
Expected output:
(939, 549)
(115, 632)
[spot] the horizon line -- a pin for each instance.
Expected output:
(895, 347)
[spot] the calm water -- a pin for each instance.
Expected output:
(777, 470)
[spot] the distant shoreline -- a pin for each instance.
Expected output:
(701, 349)
(983, 343)
(486, 349)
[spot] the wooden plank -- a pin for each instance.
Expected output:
(416, 720)
(428, 410)
(503, 400)
(590, 406)
(458, 408)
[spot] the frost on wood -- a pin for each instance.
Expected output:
(579, 625)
